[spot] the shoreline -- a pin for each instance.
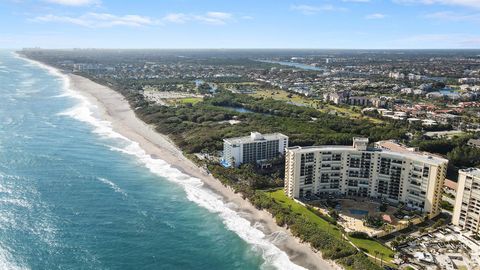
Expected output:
(115, 109)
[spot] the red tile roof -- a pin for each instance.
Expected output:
(387, 218)
(450, 184)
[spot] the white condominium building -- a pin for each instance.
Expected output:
(466, 213)
(413, 178)
(255, 148)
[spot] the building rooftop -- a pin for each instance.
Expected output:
(475, 142)
(255, 137)
(472, 171)
(419, 156)
(394, 146)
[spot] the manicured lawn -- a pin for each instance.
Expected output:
(192, 100)
(284, 96)
(281, 198)
(370, 246)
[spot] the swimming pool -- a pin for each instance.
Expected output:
(358, 212)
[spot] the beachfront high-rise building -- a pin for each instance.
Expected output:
(255, 148)
(466, 213)
(410, 177)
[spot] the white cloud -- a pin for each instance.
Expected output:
(212, 17)
(464, 3)
(375, 16)
(75, 2)
(176, 18)
(104, 20)
(100, 20)
(454, 16)
(310, 10)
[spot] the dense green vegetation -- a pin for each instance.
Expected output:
(324, 223)
(447, 206)
(441, 146)
(455, 149)
(320, 220)
(310, 226)
(373, 221)
(199, 127)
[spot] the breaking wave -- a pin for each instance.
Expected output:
(85, 111)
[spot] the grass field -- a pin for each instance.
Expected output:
(285, 201)
(305, 101)
(191, 100)
(367, 245)
(284, 96)
(372, 246)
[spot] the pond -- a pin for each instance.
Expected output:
(447, 91)
(293, 64)
(238, 109)
(358, 212)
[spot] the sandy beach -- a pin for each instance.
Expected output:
(115, 109)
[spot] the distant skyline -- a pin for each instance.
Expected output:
(339, 24)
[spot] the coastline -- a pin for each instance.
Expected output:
(116, 110)
(113, 108)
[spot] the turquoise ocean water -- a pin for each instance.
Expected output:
(76, 195)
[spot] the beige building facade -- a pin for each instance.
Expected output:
(466, 212)
(413, 178)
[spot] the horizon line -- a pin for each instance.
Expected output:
(232, 48)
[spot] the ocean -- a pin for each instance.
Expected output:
(74, 194)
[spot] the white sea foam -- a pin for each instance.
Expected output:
(6, 260)
(84, 111)
(61, 95)
(278, 237)
(14, 212)
(50, 124)
(112, 186)
(213, 202)
(16, 202)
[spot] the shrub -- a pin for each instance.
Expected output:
(373, 221)
(359, 235)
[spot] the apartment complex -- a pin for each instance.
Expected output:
(410, 177)
(255, 148)
(466, 213)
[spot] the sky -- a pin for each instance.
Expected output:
(322, 24)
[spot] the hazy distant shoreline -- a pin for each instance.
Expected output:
(114, 108)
